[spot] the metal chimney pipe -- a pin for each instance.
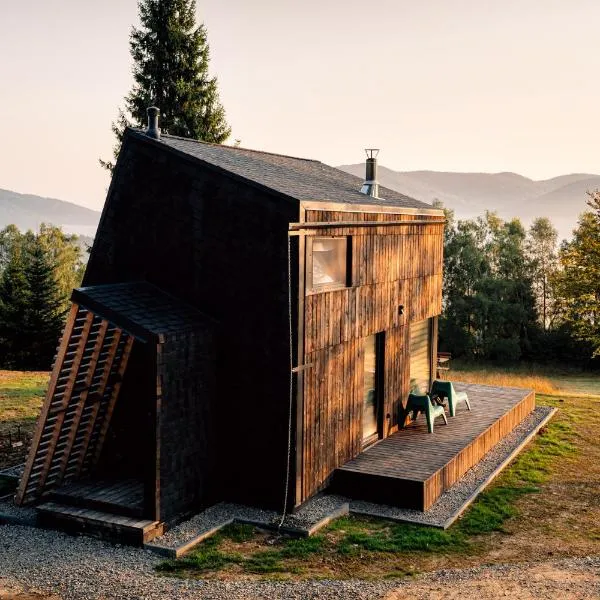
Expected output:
(153, 131)
(371, 186)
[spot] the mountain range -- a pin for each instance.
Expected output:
(27, 211)
(562, 199)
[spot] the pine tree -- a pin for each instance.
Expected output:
(171, 59)
(14, 300)
(44, 314)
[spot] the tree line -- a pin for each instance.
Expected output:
(513, 294)
(509, 294)
(38, 271)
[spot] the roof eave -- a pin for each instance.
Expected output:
(326, 204)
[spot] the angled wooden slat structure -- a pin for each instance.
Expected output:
(107, 446)
(64, 445)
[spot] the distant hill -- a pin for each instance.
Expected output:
(27, 211)
(561, 199)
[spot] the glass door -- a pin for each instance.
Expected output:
(373, 362)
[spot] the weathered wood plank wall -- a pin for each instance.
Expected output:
(391, 266)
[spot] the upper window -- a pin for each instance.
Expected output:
(327, 263)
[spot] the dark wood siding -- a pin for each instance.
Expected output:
(391, 266)
(220, 245)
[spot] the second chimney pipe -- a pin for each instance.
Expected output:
(153, 131)
(371, 186)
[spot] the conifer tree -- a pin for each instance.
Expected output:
(44, 313)
(171, 59)
(14, 300)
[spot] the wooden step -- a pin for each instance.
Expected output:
(124, 499)
(103, 525)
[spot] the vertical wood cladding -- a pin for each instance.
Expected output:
(392, 265)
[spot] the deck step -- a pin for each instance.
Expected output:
(99, 502)
(95, 523)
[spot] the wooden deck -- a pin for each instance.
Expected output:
(122, 497)
(412, 467)
(108, 509)
(106, 526)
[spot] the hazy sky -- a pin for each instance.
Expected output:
(456, 85)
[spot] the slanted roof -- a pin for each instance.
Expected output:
(142, 309)
(297, 178)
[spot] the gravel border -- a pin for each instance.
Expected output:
(454, 501)
(82, 568)
(323, 508)
(17, 515)
(316, 513)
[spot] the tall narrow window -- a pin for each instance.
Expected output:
(373, 363)
(327, 263)
(420, 355)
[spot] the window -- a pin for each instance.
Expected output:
(420, 356)
(373, 364)
(327, 263)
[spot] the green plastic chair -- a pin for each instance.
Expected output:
(445, 389)
(421, 403)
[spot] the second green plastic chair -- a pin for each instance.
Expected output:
(445, 389)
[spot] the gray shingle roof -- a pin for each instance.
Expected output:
(140, 308)
(298, 178)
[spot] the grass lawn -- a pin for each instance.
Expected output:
(544, 505)
(21, 397)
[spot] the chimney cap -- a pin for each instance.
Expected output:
(153, 131)
(371, 152)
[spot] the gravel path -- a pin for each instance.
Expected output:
(81, 568)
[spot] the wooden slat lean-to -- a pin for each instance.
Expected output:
(84, 385)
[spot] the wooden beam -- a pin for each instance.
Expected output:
(300, 358)
(101, 389)
(113, 398)
(332, 224)
(74, 428)
(330, 205)
(39, 429)
(66, 398)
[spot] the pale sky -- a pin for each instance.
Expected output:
(454, 85)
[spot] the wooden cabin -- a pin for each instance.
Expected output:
(247, 321)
